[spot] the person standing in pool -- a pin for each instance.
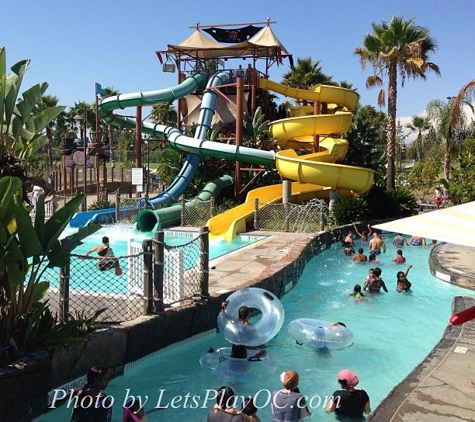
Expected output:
(91, 403)
(399, 258)
(224, 410)
(417, 241)
(403, 284)
(360, 256)
(107, 259)
(376, 283)
(349, 401)
(376, 245)
(399, 241)
(288, 404)
(364, 235)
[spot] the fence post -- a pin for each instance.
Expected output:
(147, 245)
(212, 204)
(182, 215)
(158, 268)
(204, 260)
(256, 210)
(64, 276)
(117, 205)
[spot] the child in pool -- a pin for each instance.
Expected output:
(403, 284)
(399, 258)
(357, 293)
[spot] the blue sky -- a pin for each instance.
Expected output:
(72, 45)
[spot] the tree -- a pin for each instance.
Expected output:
(49, 101)
(395, 48)
(419, 124)
(448, 124)
(23, 121)
(306, 74)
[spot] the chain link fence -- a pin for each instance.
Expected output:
(287, 217)
(127, 208)
(196, 213)
(153, 276)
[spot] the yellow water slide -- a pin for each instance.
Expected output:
(315, 174)
(321, 167)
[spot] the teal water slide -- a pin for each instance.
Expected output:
(196, 147)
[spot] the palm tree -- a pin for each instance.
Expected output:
(395, 48)
(49, 101)
(449, 120)
(306, 74)
(419, 124)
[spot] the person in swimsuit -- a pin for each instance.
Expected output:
(376, 283)
(399, 241)
(349, 401)
(438, 197)
(289, 404)
(376, 245)
(360, 256)
(399, 258)
(403, 284)
(365, 234)
(417, 241)
(107, 259)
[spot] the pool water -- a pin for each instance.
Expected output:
(119, 235)
(393, 332)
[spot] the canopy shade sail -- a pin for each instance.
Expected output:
(452, 225)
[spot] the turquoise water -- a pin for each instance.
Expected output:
(393, 332)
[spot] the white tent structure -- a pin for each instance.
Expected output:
(454, 225)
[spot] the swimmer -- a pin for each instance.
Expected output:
(399, 241)
(364, 235)
(376, 245)
(399, 258)
(357, 293)
(417, 241)
(376, 283)
(244, 315)
(372, 258)
(360, 256)
(403, 284)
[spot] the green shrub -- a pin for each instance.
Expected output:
(396, 203)
(349, 209)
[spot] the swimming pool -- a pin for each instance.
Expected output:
(393, 333)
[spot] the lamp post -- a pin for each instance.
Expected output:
(80, 118)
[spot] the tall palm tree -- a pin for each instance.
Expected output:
(399, 47)
(305, 74)
(449, 119)
(49, 101)
(419, 125)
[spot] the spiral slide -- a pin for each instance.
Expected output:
(315, 174)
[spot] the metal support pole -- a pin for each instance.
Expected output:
(158, 269)
(204, 260)
(147, 245)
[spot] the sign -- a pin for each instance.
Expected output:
(137, 176)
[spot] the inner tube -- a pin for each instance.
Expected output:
(317, 334)
(263, 330)
(220, 363)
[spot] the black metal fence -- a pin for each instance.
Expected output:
(154, 276)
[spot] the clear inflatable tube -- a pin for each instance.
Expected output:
(318, 334)
(263, 330)
(220, 363)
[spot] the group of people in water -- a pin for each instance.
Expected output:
(374, 282)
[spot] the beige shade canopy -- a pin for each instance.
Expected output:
(452, 225)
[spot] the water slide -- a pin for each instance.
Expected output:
(195, 147)
(316, 174)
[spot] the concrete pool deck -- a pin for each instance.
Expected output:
(439, 388)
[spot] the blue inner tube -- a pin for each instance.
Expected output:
(317, 334)
(220, 363)
(263, 330)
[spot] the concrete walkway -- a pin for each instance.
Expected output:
(439, 389)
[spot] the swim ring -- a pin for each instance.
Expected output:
(263, 330)
(317, 334)
(220, 363)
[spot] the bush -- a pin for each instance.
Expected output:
(349, 209)
(396, 203)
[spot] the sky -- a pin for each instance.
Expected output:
(73, 45)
